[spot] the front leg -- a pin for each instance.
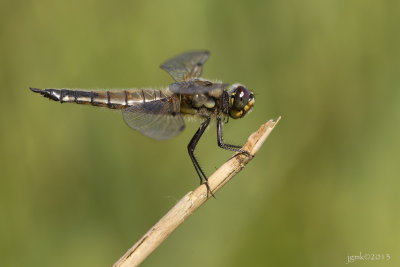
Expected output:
(221, 143)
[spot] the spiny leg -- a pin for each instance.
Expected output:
(191, 147)
(221, 143)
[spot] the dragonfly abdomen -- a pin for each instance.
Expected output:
(114, 99)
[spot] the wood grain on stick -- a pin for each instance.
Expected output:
(193, 200)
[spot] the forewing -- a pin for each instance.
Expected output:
(159, 119)
(186, 66)
(195, 87)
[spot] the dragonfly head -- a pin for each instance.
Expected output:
(241, 101)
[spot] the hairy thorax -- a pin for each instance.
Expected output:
(203, 105)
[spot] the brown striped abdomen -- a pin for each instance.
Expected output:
(115, 99)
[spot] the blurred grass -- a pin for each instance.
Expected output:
(78, 187)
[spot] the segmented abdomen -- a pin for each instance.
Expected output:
(116, 99)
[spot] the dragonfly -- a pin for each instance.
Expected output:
(159, 113)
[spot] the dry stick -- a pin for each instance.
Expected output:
(193, 200)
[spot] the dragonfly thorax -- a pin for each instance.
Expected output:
(203, 100)
(241, 101)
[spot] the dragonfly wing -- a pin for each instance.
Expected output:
(159, 119)
(195, 87)
(186, 66)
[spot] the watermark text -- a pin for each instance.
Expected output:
(368, 257)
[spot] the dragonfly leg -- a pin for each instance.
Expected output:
(191, 147)
(222, 144)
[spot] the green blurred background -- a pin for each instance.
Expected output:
(78, 187)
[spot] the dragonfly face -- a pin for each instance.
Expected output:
(242, 100)
(159, 113)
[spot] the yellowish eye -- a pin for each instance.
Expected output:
(241, 99)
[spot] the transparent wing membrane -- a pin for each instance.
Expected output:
(195, 87)
(159, 119)
(186, 66)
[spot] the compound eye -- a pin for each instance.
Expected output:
(242, 96)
